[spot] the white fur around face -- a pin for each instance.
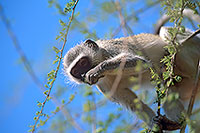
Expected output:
(71, 66)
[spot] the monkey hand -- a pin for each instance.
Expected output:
(92, 76)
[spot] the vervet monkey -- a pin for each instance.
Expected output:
(98, 62)
(111, 65)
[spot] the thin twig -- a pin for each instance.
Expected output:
(21, 53)
(29, 68)
(56, 72)
(121, 17)
(131, 16)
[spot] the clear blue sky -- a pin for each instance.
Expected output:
(36, 27)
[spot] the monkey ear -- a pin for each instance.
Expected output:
(91, 44)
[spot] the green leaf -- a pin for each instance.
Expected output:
(62, 23)
(49, 98)
(45, 93)
(34, 118)
(46, 86)
(42, 122)
(54, 62)
(178, 78)
(39, 104)
(182, 29)
(108, 7)
(88, 93)
(56, 50)
(37, 113)
(99, 130)
(71, 97)
(31, 130)
(57, 109)
(63, 101)
(166, 75)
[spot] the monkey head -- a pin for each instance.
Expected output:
(82, 58)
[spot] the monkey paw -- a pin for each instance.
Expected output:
(92, 77)
(164, 123)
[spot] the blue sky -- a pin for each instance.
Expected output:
(36, 26)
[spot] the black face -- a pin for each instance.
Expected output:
(81, 68)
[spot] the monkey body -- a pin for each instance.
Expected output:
(110, 64)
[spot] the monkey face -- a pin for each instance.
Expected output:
(81, 68)
(82, 58)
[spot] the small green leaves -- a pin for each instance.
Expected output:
(37, 113)
(178, 78)
(56, 50)
(88, 93)
(46, 92)
(182, 29)
(99, 130)
(63, 101)
(62, 23)
(39, 104)
(31, 130)
(69, 6)
(71, 97)
(166, 75)
(57, 109)
(87, 106)
(42, 122)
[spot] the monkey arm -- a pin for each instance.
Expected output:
(111, 67)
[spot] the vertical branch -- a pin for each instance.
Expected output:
(194, 92)
(192, 98)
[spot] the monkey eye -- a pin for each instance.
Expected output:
(75, 72)
(83, 62)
